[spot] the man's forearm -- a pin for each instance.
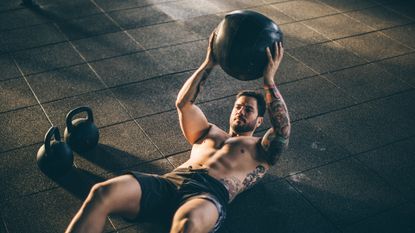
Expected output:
(192, 86)
(278, 111)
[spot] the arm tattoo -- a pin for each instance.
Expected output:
(205, 74)
(253, 177)
(277, 110)
(233, 185)
(280, 120)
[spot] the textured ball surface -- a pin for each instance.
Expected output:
(240, 43)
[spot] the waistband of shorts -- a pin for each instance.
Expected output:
(204, 172)
(190, 169)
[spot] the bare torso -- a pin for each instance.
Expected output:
(231, 160)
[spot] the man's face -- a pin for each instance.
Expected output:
(244, 116)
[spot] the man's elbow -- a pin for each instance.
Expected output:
(180, 104)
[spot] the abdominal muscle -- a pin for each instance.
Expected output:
(233, 163)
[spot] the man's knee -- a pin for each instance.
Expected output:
(187, 223)
(118, 195)
(99, 194)
(193, 221)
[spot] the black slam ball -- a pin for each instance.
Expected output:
(240, 43)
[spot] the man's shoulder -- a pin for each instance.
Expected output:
(213, 131)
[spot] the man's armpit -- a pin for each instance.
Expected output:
(273, 143)
(204, 134)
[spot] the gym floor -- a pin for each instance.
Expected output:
(348, 78)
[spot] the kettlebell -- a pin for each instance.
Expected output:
(81, 134)
(54, 158)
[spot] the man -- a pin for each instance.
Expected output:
(221, 165)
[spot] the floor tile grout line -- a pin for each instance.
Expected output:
(259, 131)
(376, 173)
(271, 4)
(284, 177)
(189, 70)
(367, 61)
(385, 5)
(326, 217)
(221, 98)
(187, 42)
(350, 156)
(17, 8)
(338, 12)
(366, 102)
(127, 33)
(193, 41)
(112, 93)
(93, 91)
(138, 7)
(20, 147)
(100, 59)
(112, 224)
(31, 89)
(322, 76)
(73, 18)
(171, 21)
(121, 28)
(375, 29)
(207, 101)
(386, 210)
(3, 221)
(352, 223)
(357, 35)
(383, 29)
(57, 186)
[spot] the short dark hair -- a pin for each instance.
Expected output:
(259, 99)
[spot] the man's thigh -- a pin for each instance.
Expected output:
(122, 195)
(158, 197)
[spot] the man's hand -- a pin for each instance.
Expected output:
(273, 63)
(210, 59)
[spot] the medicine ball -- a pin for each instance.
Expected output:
(240, 43)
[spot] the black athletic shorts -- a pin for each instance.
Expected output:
(162, 195)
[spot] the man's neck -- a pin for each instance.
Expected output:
(234, 134)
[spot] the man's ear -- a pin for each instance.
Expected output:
(259, 121)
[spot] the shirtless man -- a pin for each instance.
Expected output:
(221, 164)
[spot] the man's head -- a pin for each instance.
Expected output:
(247, 113)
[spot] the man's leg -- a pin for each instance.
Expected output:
(118, 195)
(196, 215)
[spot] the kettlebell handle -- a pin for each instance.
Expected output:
(52, 132)
(75, 111)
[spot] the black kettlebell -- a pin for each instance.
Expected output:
(81, 134)
(54, 158)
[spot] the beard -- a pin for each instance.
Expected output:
(243, 127)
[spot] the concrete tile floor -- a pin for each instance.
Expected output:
(348, 79)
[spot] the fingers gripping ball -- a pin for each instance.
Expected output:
(240, 43)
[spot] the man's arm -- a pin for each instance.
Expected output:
(192, 120)
(275, 139)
